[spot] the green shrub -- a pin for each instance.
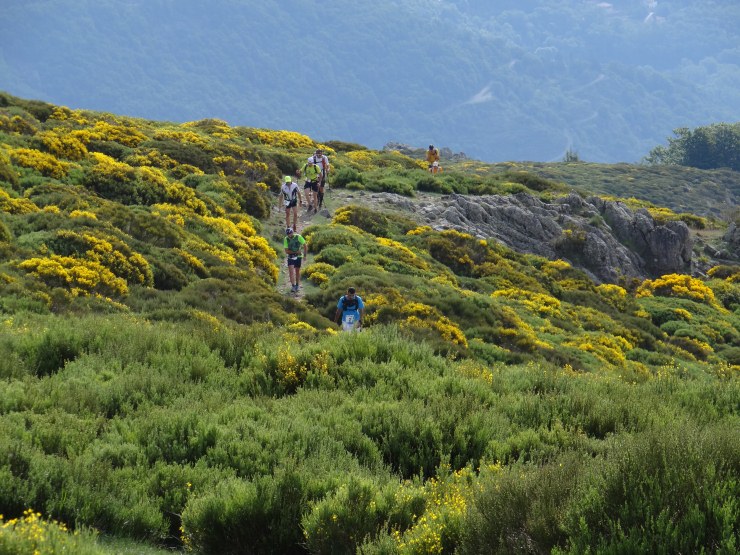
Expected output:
(337, 255)
(168, 276)
(286, 164)
(7, 173)
(338, 523)
(532, 181)
(343, 146)
(518, 508)
(6, 236)
(184, 153)
(110, 148)
(254, 201)
(38, 109)
(346, 175)
(730, 354)
(390, 184)
(374, 222)
(638, 498)
(234, 516)
(433, 184)
(52, 350)
(144, 225)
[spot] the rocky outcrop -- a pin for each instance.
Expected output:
(732, 239)
(604, 238)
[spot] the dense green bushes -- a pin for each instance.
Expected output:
(304, 434)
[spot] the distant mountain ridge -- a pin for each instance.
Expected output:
(499, 81)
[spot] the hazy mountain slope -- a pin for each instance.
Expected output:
(526, 81)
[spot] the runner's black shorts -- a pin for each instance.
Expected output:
(295, 261)
(313, 185)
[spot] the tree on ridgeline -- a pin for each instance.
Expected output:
(710, 147)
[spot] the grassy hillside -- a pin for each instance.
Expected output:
(159, 391)
(710, 193)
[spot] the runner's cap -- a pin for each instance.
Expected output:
(287, 179)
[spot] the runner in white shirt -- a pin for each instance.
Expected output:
(291, 198)
(322, 161)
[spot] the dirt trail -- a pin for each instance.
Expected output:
(276, 227)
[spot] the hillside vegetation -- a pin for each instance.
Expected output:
(158, 390)
(709, 193)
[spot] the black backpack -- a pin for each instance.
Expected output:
(349, 304)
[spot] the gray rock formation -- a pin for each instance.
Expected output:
(605, 238)
(732, 238)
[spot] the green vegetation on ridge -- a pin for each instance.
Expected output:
(155, 387)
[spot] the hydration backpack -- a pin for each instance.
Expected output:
(349, 304)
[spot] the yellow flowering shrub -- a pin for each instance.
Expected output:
(682, 313)
(153, 158)
(609, 348)
(291, 366)
(729, 273)
(318, 272)
(283, 139)
(81, 277)
(62, 113)
(13, 205)
(216, 127)
(515, 332)
(615, 295)
(678, 285)
(44, 163)
(401, 252)
(81, 214)
(223, 255)
(447, 279)
(62, 145)
(245, 227)
(127, 135)
(300, 327)
(475, 369)
(446, 329)
(187, 137)
(419, 230)
(552, 266)
(183, 170)
(110, 168)
(16, 124)
(192, 261)
(697, 348)
(262, 257)
(120, 260)
(153, 176)
(252, 170)
(439, 528)
(362, 159)
(180, 194)
(34, 535)
(242, 244)
(539, 303)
